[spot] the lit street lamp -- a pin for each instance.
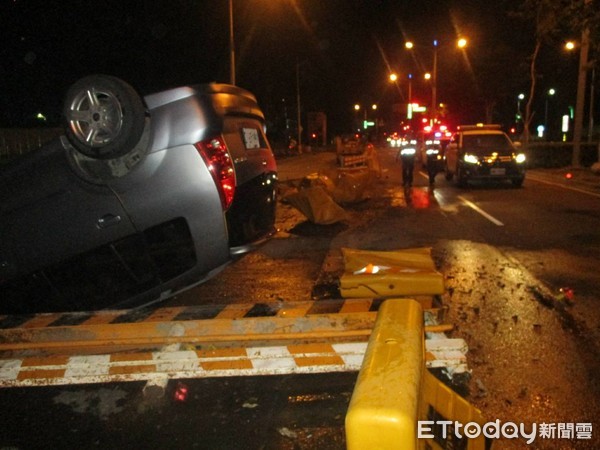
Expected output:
(551, 92)
(366, 122)
(394, 79)
(356, 119)
(570, 46)
(461, 44)
(519, 115)
(519, 122)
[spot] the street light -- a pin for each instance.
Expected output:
(570, 46)
(394, 79)
(519, 98)
(366, 123)
(460, 43)
(551, 92)
(356, 120)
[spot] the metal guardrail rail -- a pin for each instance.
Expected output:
(206, 341)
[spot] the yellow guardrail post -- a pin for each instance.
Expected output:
(394, 390)
(384, 407)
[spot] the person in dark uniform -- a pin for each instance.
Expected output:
(407, 158)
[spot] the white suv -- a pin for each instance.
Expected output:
(484, 152)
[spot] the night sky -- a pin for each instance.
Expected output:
(345, 50)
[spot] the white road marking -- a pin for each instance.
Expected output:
(481, 211)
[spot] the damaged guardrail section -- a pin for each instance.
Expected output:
(383, 408)
(394, 390)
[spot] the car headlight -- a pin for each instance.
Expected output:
(520, 158)
(471, 159)
(407, 151)
(432, 151)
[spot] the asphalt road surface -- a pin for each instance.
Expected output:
(520, 267)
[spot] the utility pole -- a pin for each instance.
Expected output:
(231, 46)
(591, 110)
(298, 111)
(580, 102)
(434, 83)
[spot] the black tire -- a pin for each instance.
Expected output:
(104, 117)
(448, 174)
(517, 182)
(431, 171)
(460, 178)
(432, 175)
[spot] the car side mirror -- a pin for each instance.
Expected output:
(517, 144)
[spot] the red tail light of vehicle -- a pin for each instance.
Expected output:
(219, 163)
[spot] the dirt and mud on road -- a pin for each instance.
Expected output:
(530, 360)
(534, 354)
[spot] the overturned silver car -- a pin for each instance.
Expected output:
(140, 198)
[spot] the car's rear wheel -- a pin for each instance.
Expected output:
(104, 117)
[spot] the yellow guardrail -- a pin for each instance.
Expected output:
(383, 409)
(406, 272)
(394, 391)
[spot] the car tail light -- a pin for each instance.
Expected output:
(219, 163)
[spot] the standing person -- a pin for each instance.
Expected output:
(407, 158)
(433, 159)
